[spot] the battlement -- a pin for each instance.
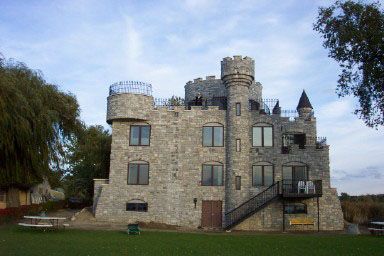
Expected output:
(237, 66)
(201, 80)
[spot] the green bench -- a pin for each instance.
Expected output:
(133, 229)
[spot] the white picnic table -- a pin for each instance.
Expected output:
(377, 227)
(43, 221)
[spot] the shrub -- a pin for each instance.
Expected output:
(11, 214)
(362, 211)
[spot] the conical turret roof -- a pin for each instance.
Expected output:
(304, 101)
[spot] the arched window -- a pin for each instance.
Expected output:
(212, 174)
(262, 135)
(138, 173)
(213, 135)
(296, 171)
(262, 174)
(136, 205)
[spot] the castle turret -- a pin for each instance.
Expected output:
(237, 74)
(129, 100)
(304, 107)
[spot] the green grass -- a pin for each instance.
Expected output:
(21, 241)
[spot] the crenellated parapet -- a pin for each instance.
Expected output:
(237, 70)
(208, 88)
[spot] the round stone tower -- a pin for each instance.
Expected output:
(129, 100)
(237, 74)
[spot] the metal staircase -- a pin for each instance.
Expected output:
(251, 206)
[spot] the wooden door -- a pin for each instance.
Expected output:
(211, 214)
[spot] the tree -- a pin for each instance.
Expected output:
(175, 101)
(89, 158)
(37, 122)
(353, 33)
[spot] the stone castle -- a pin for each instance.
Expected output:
(222, 157)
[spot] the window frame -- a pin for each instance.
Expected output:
(213, 135)
(293, 167)
(295, 208)
(238, 145)
(262, 126)
(140, 128)
(238, 108)
(138, 173)
(238, 182)
(137, 208)
(211, 171)
(262, 175)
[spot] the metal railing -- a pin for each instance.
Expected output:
(249, 207)
(290, 113)
(302, 188)
(134, 87)
(319, 142)
(265, 106)
(169, 103)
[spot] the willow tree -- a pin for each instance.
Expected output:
(37, 121)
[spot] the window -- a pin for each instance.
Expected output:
(212, 175)
(238, 145)
(2, 196)
(138, 173)
(298, 139)
(238, 109)
(295, 172)
(136, 207)
(294, 208)
(238, 182)
(262, 136)
(213, 136)
(139, 135)
(262, 175)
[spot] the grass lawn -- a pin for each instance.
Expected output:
(21, 241)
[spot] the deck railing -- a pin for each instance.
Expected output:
(302, 188)
(134, 87)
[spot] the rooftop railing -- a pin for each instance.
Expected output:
(134, 87)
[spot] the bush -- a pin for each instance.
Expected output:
(12, 214)
(362, 211)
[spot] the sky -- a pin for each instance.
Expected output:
(84, 46)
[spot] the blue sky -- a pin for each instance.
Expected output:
(84, 46)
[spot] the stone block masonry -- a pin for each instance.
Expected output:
(175, 155)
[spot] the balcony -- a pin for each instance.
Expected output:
(300, 141)
(302, 188)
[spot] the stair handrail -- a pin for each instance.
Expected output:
(276, 184)
(253, 197)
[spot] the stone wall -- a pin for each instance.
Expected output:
(174, 168)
